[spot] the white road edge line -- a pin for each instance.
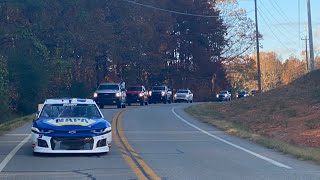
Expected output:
(12, 153)
(231, 144)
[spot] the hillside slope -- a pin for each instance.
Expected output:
(290, 113)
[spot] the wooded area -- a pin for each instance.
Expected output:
(58, 48)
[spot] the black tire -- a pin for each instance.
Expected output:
(36, 154)
(123, 105)
(146, 103)
(101, 106)
(141, 103)
(191, 101)
(165, 101)
(169, 101)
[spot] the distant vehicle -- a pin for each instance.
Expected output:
(137, 94)
(242, 93)
(183, 95)
(110, 94)
(160, 94)
(224, 96)
(70, 126)
(254, 92)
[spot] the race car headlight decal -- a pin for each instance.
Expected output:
(95, 95)
(35, 129)
(141, 94)
(118, 94)
(163, 93)
(104, 130)
(41, 130)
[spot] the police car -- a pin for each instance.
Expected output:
(70, 126)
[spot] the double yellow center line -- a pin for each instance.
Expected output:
(135, 162)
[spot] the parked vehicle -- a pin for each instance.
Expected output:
(242, 94)
(224, 96)
(137, 94)
(183, 95)
(160, 94)
(254, 92)
(110, 94)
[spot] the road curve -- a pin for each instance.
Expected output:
(154, 142)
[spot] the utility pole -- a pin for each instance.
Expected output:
(258, 48)
(310, 37)
(307, 57)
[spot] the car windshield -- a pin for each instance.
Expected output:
(242, 92)
(223, 92)
(108, 86)
(70, 110)
(182, 91)
(134, 88)
(158, 88)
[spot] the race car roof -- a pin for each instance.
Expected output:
(69, 100)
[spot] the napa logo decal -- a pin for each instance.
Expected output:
(71, 121)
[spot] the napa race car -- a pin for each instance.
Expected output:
(70, 126)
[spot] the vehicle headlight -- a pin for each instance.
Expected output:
(175, 95)
(42, 130)
(163, 93)
(103, 130)
(237, 95)
(217, 95)
(150, 93)
(95, 95)
(141, 94)
(118, 94)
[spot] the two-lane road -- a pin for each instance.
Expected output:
(156, 141)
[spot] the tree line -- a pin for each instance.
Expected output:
(58, 48)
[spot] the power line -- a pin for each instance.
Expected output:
(282, 14)
(281, 10)
(170, 11)
(283, 34)
(275, 20)
(274, 32)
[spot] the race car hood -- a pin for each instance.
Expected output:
(107, 91)
(66, 124)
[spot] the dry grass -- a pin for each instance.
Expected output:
(5, 127)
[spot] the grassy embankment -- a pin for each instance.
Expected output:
(286, 119)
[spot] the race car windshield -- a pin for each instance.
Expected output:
(134, 88)
(70, 110)
(158, 88)
(182, 91)
(109, 87)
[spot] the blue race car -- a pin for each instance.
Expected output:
(70, 126)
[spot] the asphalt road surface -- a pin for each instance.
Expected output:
(157, 141)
